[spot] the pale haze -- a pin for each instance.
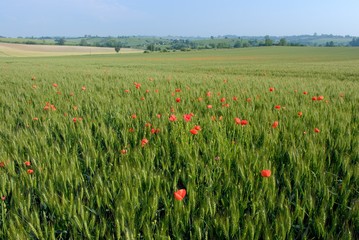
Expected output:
(177, 18)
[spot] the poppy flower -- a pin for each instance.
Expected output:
(266, 173)
(131, 130)
(123, 151)
(127, 91)
(271, 89)
(30, 171)
(197, 127)
(300, 114)
(35, 119)
(200, 99)
(3, 198)
(27, 163)
(187, 117)
(275, 124)
(147, 91)
(178, 100)
(55, 85)
(193, 131)
(235, 98)
(305, 93)
(158, 115)
(223, 100)
(180, 194)
(147, 124)
(137, 85)
(178, 90)
(155, 130)
(74, 120)
(320, 98)
(237, 120)
(314, 98)
(209, 106)
(316, 130)
(277, 107)
(134, 116)
(225, 105)
(144, 142)
(83, 88)
(249, 100)
(142, 98)
(2, 164)
(209, 94)
(173, 118)
(244, 122)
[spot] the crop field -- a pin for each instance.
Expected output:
(27, 50)
(257, 143)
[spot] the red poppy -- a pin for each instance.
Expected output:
(147, 91)
(123, 151)
(277, 107)
(305, 93)
(30, 171)
(83, 88)
(173, 118)
(200, 99)
(209, 106)
(316, 130)
(197, 127)
(27, 163)
(187, 117)
(54, 85)
(142, 98)
(144, 142)
(158, 115)
(271, 89)
(193, 131)
(133, 116)
(209, 94)
(137, 85)
(155, 131)
(266, 173)
(3, 198)
(178, 90)
(131, 130)
(178, 100)
(223, 99)
(235, 98)
(180, 194)
(249, 99)
(237, 120)
(2, 164)
(314, 98)
(244, 122)
(320, 98)
(275, 124)
(74, 119)
(35, 119)
(300, 114)
(127, 91)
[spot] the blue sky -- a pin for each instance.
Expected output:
(178, 18)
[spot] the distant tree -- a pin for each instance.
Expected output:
(60, 41)
(83, 42)
(237, 44)
(151, 47)
(354, 42)
(268, 41)
(282, 42)
(117, 49)
(329, 44)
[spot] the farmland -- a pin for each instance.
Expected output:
(98, 146)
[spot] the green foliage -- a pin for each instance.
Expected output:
(84, 186)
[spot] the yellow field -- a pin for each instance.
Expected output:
(25, 50)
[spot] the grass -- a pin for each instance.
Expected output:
(92, 178)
